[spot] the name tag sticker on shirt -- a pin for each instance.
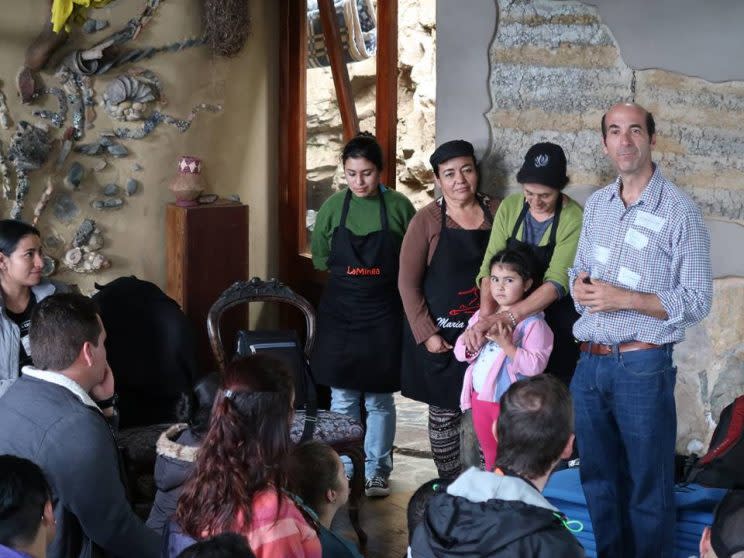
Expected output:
(649, 221)
(628, 278)
(601, 254)
(636, 239)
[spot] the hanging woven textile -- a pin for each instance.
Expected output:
(357, 27)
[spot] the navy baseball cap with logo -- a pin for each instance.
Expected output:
(545, 163)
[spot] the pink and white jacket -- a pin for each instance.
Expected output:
(277, 528)
(534, 341)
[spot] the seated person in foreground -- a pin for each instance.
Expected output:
(61, 415)
(240, 475)
(176, 450)
(504, 513)
(419, 502)
(317, 476)
(226, 545)
(26, 516)
(725, 538)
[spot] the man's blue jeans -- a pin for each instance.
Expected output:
(378, 439)
(626, 429)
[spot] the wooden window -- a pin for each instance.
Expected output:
(294, 259)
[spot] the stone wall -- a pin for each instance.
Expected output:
(710, 364)
(555, 68)
(416, 99)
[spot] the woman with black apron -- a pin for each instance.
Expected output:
(357, 238)
(548, 223)
(441, 253)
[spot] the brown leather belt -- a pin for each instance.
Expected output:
(600, 349)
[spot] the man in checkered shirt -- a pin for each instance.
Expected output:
(642, 275)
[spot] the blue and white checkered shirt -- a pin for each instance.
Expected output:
(657, 245)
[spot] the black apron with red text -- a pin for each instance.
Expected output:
(561, 314)
(360, 314)
(452, 298)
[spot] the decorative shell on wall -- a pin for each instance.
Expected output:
(127, 98)
(81, 260)
(84, 256)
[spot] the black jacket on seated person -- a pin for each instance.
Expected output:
(483, 515)
(176, 454)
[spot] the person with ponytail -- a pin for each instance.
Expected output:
(240, 476)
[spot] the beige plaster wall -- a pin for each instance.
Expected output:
(238, 145)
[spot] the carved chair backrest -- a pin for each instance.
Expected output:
(256, 290)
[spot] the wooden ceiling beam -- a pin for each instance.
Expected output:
(386, 96)
(344, 96)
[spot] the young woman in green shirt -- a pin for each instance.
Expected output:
(547, 222)
(357, 238)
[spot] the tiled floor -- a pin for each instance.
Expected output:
(384, 519)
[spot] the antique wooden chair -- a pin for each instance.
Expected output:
(343, 434)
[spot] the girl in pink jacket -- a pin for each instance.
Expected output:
(509, 353)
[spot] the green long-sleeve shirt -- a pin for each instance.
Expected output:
(363, 218)
(566, 241)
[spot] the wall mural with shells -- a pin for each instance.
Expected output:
(59, 117)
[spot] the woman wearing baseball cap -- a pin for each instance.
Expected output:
(544, 220)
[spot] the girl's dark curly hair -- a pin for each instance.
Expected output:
(521, 261)
(245, 449)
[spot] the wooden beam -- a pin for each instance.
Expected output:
(293, 126)
(386, 112)
(344, 96)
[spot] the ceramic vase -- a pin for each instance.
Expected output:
(188, 182)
